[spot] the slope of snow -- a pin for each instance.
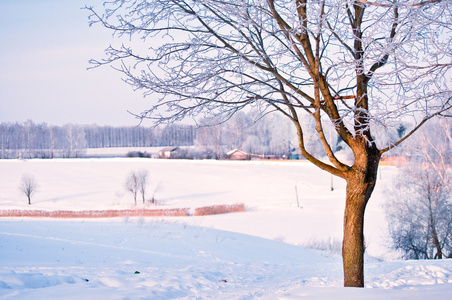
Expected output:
(252, 255)
(173, 261)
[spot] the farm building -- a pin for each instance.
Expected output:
(169, 152)
(237, 155)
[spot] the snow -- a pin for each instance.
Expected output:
(258, 254)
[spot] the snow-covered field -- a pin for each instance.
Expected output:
(257, 254)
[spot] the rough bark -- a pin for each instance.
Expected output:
(360, 181)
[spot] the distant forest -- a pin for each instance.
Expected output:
(30, 140)
(272, 135)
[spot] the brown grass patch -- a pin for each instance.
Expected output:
(218, 209)
(176, 212)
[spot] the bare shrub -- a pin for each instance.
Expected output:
(138, 154)
(419, 214)
(329, 245)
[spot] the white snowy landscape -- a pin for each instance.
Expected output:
(273, 250)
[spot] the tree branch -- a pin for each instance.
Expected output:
(438, 113)
(422, 3)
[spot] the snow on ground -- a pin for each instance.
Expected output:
(257, 254)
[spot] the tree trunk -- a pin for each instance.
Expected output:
(361, 181)
(353, 242)
(436, 242)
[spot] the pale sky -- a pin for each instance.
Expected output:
(45, 47)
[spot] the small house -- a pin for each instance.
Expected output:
(237, 155)
(169, 152)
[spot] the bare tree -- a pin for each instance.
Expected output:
(420, 207)
(137, 181)
(28, 186)
(133, 184)
(350, 65)
(142, 183)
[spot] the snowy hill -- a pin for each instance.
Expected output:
(257, 254)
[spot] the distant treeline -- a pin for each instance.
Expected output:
(136, 136)
(272, 136)
(30, 140)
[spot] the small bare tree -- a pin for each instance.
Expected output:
(137, 181)
(142, 182)
(132, 184)
(28, 186)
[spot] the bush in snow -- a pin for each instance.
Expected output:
(420, 214)
(138, 154)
